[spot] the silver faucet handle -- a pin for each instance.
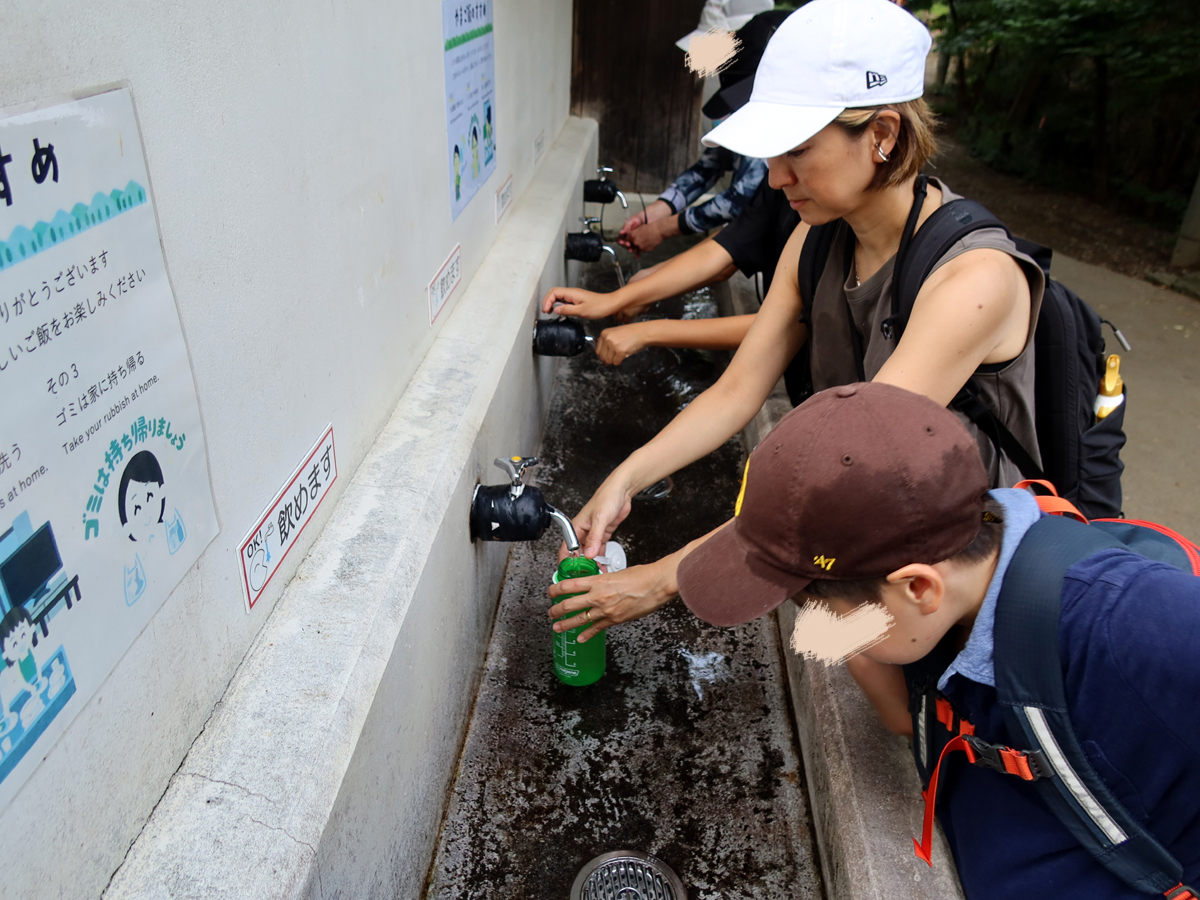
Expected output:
(515, 466)
(604, 170)
(589, 221)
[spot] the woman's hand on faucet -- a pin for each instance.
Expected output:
(614, 597)
(615, 345)
(578, 302)
(600, 516)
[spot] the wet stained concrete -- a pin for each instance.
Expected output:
(685, 749)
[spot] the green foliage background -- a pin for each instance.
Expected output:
(1095, 96)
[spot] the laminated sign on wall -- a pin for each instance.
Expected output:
(470, 58)
(104, 494)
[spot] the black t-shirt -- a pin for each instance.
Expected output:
(756, 238)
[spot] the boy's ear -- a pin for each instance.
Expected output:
(923, 586)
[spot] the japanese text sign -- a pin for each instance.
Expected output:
(104, 494)
(264, 548)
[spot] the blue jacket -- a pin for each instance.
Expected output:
(748, 174)
(1129, 632)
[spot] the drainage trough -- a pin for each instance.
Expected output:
(685, 750)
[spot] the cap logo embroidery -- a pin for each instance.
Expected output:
(824, 562)
(737, 507)
(874, 80)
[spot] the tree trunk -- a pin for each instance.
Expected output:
(962, 96)
(1187, 248)
(981, 81)
(1100, 132)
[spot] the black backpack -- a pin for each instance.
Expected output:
(1029, 685)
(1080, 456)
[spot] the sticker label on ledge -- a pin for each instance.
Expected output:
(504, 198)
(263, 550)
(105, 501)
(444, 282)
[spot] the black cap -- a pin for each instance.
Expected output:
(737, 80)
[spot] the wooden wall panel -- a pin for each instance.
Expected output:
(629, 76)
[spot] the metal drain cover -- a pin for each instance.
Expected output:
(627, 875)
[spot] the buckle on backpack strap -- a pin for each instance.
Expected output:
(1181, 892)
(1029, 765)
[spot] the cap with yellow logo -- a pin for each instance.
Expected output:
(857, 482)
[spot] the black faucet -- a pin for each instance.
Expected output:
(560, 337)
(588, 246)
(602, 189)
(516, 511)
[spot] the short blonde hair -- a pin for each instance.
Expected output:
(915, 143)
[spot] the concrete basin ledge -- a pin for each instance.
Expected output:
(862, 784)
(324, 770)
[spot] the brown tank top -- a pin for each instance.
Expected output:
(1005, 388)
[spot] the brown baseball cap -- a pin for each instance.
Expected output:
(857, 482)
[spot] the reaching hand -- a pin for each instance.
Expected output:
(659, 209)
(614, 597)
(578, 302)
(600, 516)
(646, 237)
(615, 345)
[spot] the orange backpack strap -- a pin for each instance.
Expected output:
(1028, 765)
(1051, 503)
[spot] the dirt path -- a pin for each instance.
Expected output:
(1065, 222)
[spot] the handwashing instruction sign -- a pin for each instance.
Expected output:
(470, 58)
(104, 492)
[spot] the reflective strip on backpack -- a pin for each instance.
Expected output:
(1070, 779)
(921, 745)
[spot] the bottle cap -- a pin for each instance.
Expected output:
(1111, 384)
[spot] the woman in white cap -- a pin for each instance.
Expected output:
(837, 111)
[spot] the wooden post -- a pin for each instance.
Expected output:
(1187, 248)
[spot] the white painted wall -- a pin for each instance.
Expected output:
(297, 160)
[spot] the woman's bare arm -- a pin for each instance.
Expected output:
(717, 414)
(706, 263)
(973, 310)
(615, 345)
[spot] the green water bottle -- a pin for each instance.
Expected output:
(576, 663)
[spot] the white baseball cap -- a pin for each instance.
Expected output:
(826, 57)
(725, 15)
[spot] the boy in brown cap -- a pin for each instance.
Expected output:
(868, 496)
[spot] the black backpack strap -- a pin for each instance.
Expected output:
(813, 256)
(948, 225)
(1029, 685)
(797, 377)
(894, 324)
(968, 403)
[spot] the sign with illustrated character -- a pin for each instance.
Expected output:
(469, 54)
(104, 494)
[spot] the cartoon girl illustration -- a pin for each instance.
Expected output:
(489, 134)
(457, 174)
(142, 506)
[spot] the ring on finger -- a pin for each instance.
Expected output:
(588, 616)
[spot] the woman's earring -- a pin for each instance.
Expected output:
(882, 155)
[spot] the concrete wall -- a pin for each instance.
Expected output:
(297, 158)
